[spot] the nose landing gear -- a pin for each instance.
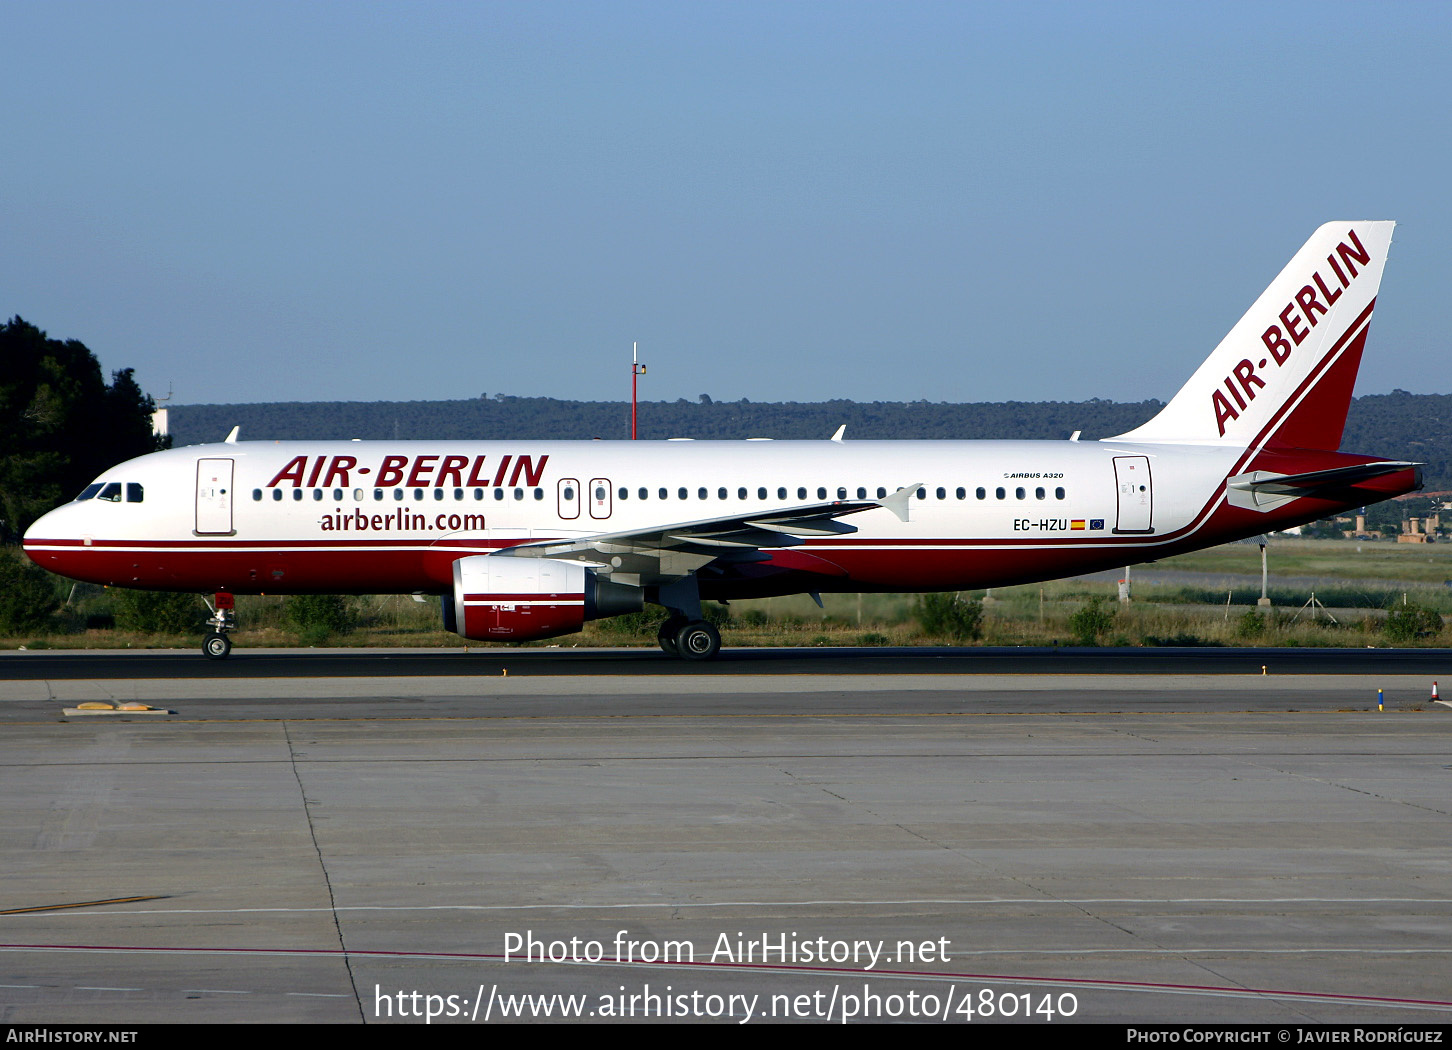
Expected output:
(216, 645)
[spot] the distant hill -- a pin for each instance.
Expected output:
(1398, 425)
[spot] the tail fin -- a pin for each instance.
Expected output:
(1284, 374)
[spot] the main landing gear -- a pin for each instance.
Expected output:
(685, 633)
(689, 639)
(216, 645)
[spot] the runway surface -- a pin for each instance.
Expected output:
(372, 663)
(737, 845)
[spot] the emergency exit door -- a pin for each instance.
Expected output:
(214, 497)
(1135, 494)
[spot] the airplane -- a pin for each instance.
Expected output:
(530, 539)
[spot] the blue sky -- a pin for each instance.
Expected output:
(782, 201)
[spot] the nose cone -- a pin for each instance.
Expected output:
(55, 538)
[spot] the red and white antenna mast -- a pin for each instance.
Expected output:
(636, 370)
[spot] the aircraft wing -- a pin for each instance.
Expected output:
(666, 552)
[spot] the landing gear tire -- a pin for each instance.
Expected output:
(216, 646)
(666, 636)
(698, 641)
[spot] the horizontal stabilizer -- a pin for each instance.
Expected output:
(1264, 490)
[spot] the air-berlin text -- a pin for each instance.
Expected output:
(424, 471)
(1302, 313)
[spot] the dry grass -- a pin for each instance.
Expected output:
(1035, 615)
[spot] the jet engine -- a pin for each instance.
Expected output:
(506, 599)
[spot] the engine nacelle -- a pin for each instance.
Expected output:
(506, 599)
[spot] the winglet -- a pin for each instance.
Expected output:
(837, 437)
(898, 501)
(231, 439)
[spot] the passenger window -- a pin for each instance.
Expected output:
(1019, 493)
(478, 494)
(861, 492)
(922, 493)
(999, 493)
(397, 495)
(256, 493)
(683, 493)
(962, 493)
(519, 493)
(821, 492)
(842, 492)
(721, 493)
(942, 493)
(702, 493)
(296, 494)
(318, 494)
(458, 493)
(802, 492)
(276, 495)
(881, 492)
(418, 493)
(1058, 493)
(644, 492)
(498, 493)
(438, 494)
(781, 493)
(665, 493)
(624, 492)
(761, 492)
(539, 493)
(981, 493)
(741, 492)
(1039, 493)
(338, 494)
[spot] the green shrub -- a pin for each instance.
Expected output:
(1407, 622)
(1091, 621)
(1251, 624)
(158, 612)
(950, 616)
(319, 615)
(27, 597)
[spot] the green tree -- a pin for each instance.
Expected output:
(60, 423)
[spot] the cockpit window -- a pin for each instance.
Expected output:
(134, 493)
(111, 493)
(89, 492)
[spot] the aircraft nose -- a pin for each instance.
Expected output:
(51, 531)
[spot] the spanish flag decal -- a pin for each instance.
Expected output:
(1077, 523)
